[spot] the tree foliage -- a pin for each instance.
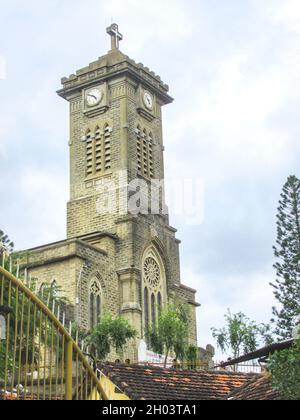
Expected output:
(170, 333)
(287, 251)
(192, 356)
(284, 367)
(241, 335)
(5, 243)
(22, 315)
(110, 333)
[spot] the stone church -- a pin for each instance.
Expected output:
(120, 261)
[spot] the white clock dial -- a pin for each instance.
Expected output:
(94, 97)
(148, 100)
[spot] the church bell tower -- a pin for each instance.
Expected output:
(116, 140)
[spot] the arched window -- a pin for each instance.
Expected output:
(107, 147)
(89, 154)
(43, 289)
(139, 150)
(92, 311)
(145, 160)
(153, 309)
(154, 287)
(95, 303)
(159, 303)
(145, 153)
(54, 289)
(98, 151)
(98, 308)
(146, 307)
(150, 156)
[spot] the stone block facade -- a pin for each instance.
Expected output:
(122, 262)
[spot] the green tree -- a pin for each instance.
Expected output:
(170, 334)
(287, 251)
(192, 356)
(284, 366)
(50, 295)
(110, 333)
(241, 335)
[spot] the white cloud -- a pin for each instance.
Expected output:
(287, 13)
(2, 68)
(42, 196)
(235, 114)
(249, 293)
(156, 20)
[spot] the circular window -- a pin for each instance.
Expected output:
(152, 272)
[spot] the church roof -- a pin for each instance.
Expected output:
(259, 389)
(154, 383)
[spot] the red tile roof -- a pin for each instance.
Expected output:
(153, 383)
(259, 389)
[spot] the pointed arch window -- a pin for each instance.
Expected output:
(153, 290)
(89, 154)
(92, 311)
(54, 289)
(43, 289)
(107, 148)
(146, 307)
(153, 309)
(150, 156)
(159, 303)
(98, 151)
(145, 162)
(139, 150)
(95, 303)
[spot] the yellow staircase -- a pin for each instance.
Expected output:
(39, 359)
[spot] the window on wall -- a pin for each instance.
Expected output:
(92, 311)
(150, 156)
(153, 309)
(89, 154)
(95, 303)
(54, 289)
(154, 286)
(159, 303)
(146, 307)
(107, 148)
(43, 289)
(98, 151)
(145, 160)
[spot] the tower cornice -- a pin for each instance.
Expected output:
(110, 66)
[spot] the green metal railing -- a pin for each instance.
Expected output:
(39, 359)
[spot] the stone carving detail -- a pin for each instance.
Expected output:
(95, 288)
(152, 272)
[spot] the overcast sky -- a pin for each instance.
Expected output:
(233, 67)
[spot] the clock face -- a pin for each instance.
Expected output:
(148, 100)
(94, 97)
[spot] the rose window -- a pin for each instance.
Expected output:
(152, 272)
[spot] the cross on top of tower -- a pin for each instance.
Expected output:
(116, 37)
